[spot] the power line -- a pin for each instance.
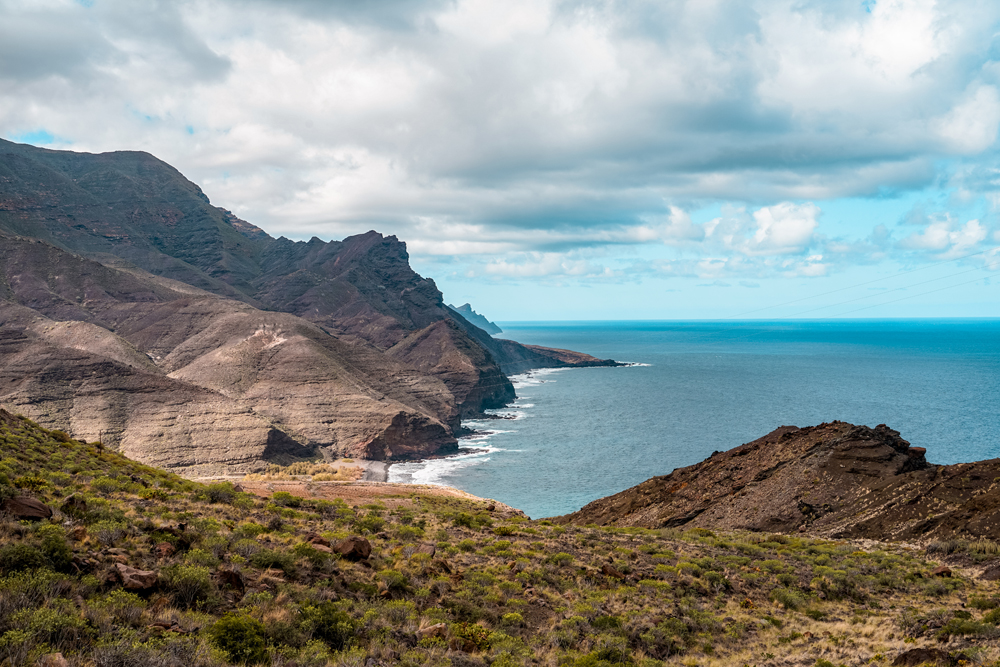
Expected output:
(912, 296)
(897, 289)
(870, 282)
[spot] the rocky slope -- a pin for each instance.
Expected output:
(182, 378)
(130, 205)
(466, 311)
(836, 480)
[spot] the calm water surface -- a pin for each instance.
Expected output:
(579, 434)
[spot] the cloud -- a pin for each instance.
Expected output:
(971, 126)
(947, 238)
(527, 131)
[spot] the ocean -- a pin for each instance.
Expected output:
(575, 435)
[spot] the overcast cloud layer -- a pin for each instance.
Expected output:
(601, 148)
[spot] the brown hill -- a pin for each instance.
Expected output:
(130, 205)
(182, 378)
(835, 480)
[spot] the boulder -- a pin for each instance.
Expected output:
(610, 571)
(316, 538)
(429, 549)
(78, 534)
(941, 571)
(322, 548)
(135, 580)
(25, 508)
(231, 579)
(920, 656)
(354, 548)
(164, 550)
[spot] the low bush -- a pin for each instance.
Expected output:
(241, 638)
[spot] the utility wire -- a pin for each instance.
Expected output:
(897, 289)
(912, 296)
(877, 280)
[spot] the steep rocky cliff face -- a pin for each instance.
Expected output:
(836, 480)
(130, 205)
(292, 346)
(182, 378)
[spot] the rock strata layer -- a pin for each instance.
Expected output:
(834, 480)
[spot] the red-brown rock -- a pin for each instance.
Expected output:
(231, 579)
(25, 508)
(164, 550)
(316, 538)
(135, 580)
(354, 548)
(941, 571)
(610, 571)
(920, 656)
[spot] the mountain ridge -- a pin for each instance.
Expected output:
(336, 347)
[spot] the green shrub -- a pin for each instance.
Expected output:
(788, 598)
(121, 607)
(190, 584)
(561, 558)
(220, 492)
(200, 557)
(30, 482)
(106, 485)
(333, 626)
(246, 548)
(249, 530)
(269, 558)
(472, 633)
(60, 626)
(15, 647)
(109, 532)
(54, 547)
(285, 499)
(395, 581)
(19, 556)
(241, 638)
(370, 523)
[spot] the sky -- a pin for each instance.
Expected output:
(564, 160)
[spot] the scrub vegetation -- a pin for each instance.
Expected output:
(226, 577)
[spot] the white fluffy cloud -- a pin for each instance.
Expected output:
(485, 127)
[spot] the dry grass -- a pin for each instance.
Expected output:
(306, 471)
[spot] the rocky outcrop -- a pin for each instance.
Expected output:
(835, 480)
(25, 509)
(466, 311)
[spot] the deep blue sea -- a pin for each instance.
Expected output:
(579, 434)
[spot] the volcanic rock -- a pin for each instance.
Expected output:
(834, 480)
(26, 509)
(924, 656)
(354, 548)
(133, 579)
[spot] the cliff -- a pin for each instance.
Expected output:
(182, 378)
(833, 480)
(134, 311)
(131, 206)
